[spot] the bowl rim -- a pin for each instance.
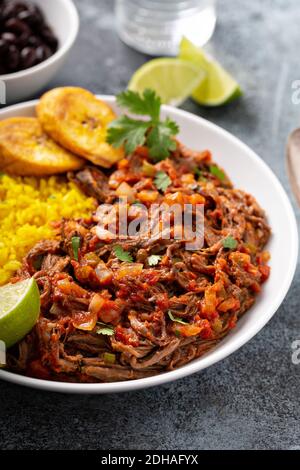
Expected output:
(62, 50)
(212, 356)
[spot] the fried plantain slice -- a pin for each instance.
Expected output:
(26, 150)
(78, 121)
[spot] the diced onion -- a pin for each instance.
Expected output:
(104, 275)
(85, 321)
(148, 195)
(124, 190)
(129, 269)
(96, 304)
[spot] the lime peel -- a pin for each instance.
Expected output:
(19, 310)
(218, 87)
(174, 80)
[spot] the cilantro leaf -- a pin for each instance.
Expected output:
(162, 181)
(216, 171)
(147, 104)
(132, 133)
(160, 141)
(230, 243)
(105, 329)
(153, 260)
(128, 132)
(176, 319)
(75, 247)
(122, 255)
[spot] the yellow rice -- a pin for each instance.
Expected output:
(27, 206)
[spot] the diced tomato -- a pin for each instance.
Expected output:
(165, 261)
(124, 163)
(162, 302)
(255, 287)
(265, 272)
(110, 312)
(93, 243)
(196, 199)
(207, 332)
(264, 257)
(151, 277)
(205, 156)
(126, 336)
(86, 274)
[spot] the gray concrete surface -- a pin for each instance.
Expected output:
(251, 399)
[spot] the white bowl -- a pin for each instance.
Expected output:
(247, 172)
(63, 18)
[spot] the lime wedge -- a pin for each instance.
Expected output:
(218, 87)
(173, 79)
(19, 310)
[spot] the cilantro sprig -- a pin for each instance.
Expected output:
(230, 243)
(122, 255)
(153, 260)
(162, 181)
(156, 134)
(104, 329)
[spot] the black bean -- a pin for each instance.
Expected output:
(12, 8)
(32, 17)
(25, 37)
(47, 51)
(16, 26)
(34, 41)
(49, 38)
(39, 54)
(28, 57)
(43, 52)
(3, 47)
(13, 58)
(9, 38)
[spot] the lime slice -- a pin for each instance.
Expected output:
(173, 79)
(19, 310)
(218, 87)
